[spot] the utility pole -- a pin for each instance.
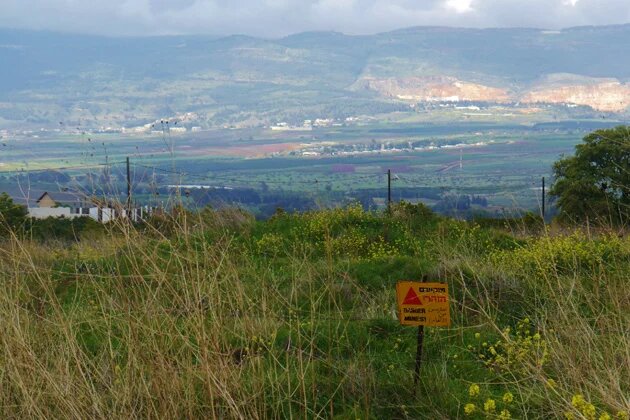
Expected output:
(389, 189)
(543, 198)
(128, 189)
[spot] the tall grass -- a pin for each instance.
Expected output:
(215, 315)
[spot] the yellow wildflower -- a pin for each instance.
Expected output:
(508, 397)
(578, 401)
(489, 406)
(505, 415)
(605, 416)
(551, 383)
(622, 415)
(589, 411)
(473, 390)
(469, 409)
(569, 415)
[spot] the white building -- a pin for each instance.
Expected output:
(69, 206)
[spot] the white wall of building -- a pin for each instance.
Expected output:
(44, 212)
(107, 214)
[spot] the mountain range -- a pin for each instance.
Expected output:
(49, 77)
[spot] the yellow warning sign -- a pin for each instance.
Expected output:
(423, 304)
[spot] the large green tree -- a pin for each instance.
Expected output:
(594, 184)
(12, 215)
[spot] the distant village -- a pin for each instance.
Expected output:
(189, 122)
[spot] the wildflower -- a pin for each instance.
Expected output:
(605, 416)
(545, 356)
(489, 406)
(551, 383)
(589, 411)
(477, 336)
(469, 409)
(508, 397)
(578, 401)
(622, 415)
(505, 415)
(473, 390)
(484, 344)
(537, 336)
(569, 415)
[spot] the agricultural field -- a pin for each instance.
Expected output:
(500, 164)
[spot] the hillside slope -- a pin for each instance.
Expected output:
(217, 315)
(47, 76)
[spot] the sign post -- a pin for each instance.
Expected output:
(422, 304)
(416, 373)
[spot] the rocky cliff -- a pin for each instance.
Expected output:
(607, 95)
(434, 89)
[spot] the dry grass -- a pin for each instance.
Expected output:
(198, 323)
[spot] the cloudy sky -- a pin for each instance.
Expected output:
(273, 18)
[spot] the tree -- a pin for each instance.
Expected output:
(594, 184)
(12, 215)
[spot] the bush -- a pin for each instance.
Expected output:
(61, 229)
(12, 216)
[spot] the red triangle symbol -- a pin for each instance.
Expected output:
(412, 298)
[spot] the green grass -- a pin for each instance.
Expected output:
(214, 314)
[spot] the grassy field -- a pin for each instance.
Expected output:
(214, 314)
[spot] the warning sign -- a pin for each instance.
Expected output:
(423, 304)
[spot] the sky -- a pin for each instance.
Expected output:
(275, 18)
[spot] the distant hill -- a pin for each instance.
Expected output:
(46, 77)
